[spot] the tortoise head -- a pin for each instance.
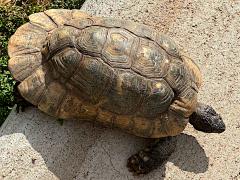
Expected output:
(207, 120)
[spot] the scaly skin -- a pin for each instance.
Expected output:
(153, 156)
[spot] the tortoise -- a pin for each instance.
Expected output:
(119, 73)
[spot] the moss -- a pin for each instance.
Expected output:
(11, 17)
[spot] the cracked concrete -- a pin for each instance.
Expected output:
(36, 146)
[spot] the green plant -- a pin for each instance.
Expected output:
(11, 17)
(70, 4)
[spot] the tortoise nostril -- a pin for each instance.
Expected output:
(223, 127)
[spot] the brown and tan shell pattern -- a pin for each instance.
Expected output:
(119, 73)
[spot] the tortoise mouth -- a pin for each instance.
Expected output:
(214, 120)
(215, 124)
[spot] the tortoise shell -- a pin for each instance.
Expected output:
(117, 72)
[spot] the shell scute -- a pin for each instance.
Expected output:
(59, 16)
(117, 49)
(61, 38)
(125, 93)
(27, 39)
(150, 60)
(140, 30)
(92, 39)
(159, 99)
(24, 65)
(178, 76)
(66, 61)
(78, 14)
(110, 22)
(33, 87)
(168, 45)
(52, 98)
(43, 21)
(93, 78)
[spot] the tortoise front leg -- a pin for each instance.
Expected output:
(186, 103)
(152, 156)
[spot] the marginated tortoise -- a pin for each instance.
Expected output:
(119, 73)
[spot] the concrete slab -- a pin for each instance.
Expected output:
(36, 146)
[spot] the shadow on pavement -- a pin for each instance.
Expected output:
(65, 148)
(189, 155)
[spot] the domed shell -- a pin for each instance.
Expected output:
(120, 73)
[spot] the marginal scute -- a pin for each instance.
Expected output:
(29, 28)
(33, 87)
(27, 39)
(168, 45)
(111, 22)
(140, 30)
(195, 72)
(70, 107)
(82, 22)
(43, 21)
(59, 16)
(24, 65)
(142, 126)
(105, 117)
(186, 103)
(117, 49)
(73, 106)
(168, 124)
(78, 14)
(52, 98)
(124, 122)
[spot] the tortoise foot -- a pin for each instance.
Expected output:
(152, 157)
(142, 162)
(21, 103)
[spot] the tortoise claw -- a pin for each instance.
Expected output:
(140, 163)
(22, 106)
(21, 103)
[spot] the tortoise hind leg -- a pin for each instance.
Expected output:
(152, 156)
(19, 100)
